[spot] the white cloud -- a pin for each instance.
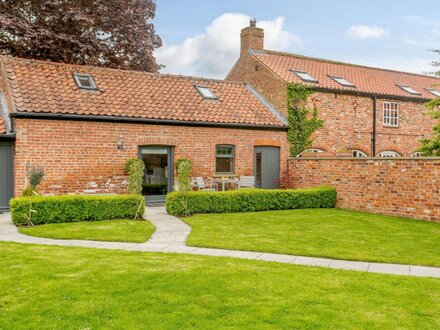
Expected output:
(366, 32)
(214, 52)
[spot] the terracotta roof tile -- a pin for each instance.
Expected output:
(2, 126)
(46, 87)
(365, 79)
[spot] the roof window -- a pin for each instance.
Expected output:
(342, 81)
(433, 91)
(206, 92)
(85, 81)
(305, 76)
(409, 90)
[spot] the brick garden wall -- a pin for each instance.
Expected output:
(402, 187)
(80, 156)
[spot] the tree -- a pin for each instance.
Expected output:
(108, 33)
(301, 124)
(431, 147)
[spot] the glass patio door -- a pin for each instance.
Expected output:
(158, 175)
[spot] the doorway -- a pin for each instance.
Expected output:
(267, 167)
(158, 175)
(6, 174)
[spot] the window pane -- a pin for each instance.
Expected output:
(224, 165)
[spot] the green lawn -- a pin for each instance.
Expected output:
(332, 233)
(45, 287)
(109, 230)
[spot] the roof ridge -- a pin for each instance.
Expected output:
(273, 52)
(7, 58)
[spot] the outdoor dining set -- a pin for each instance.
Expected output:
(224, 183)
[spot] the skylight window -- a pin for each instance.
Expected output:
(433, 91)
(342, 81)
(409, 90)
(206, 92)
(305, 76)
(85, 81)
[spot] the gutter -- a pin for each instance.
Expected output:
(60, 116)
(372, 95)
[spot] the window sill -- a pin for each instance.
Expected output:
(390, 126)
(219, 175)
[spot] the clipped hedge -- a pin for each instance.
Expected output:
(250, 200)
(71, 208)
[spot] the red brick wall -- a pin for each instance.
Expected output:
(403, 187)
(348, 118)
(78, 156)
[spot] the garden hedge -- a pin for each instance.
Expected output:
(71, 208)
(249, 200)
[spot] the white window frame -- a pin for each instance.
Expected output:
(434, 91)
(206, 92)
(390, 114)
(359, 154)
(388, 154)
(78, 76)
(342, 81)
(311, 150)
(305, 76)
(417, 154)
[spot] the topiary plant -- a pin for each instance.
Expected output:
(183, 168)
(135, 169)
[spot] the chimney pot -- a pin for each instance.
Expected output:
(253, 22)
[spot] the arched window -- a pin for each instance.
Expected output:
(388, 154)
(417, 154)
(314, 150)
(359, 154)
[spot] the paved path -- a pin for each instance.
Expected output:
(171, 234)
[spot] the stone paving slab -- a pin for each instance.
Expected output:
(389, 269)
(171, 234)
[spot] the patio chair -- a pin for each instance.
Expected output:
(246, 182)
(200, 184)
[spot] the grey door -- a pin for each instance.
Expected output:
(6, 174)
(267, 167)
(158, 176)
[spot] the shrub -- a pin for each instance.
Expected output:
(183, 167)
(28, 192)
(71, 208)
(36, 176)
(135, 168)
(250, 200)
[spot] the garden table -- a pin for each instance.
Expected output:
(225, 181)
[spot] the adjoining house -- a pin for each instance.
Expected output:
(81, 124)
(367, 111)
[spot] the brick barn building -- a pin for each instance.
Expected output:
(80, 124)
(368, 111)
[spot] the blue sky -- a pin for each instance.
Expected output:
(201, 38)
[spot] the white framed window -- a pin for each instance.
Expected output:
(408, 89)
(433, 91)
(391, 114)
(314, 150)
(359, 154)
(206, 92)
(388, 154)
(305, 76)
(84, 81)
(417, 154)
(342, 81)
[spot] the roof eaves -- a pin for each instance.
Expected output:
(100, 118)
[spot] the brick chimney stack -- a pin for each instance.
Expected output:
(251, 38)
